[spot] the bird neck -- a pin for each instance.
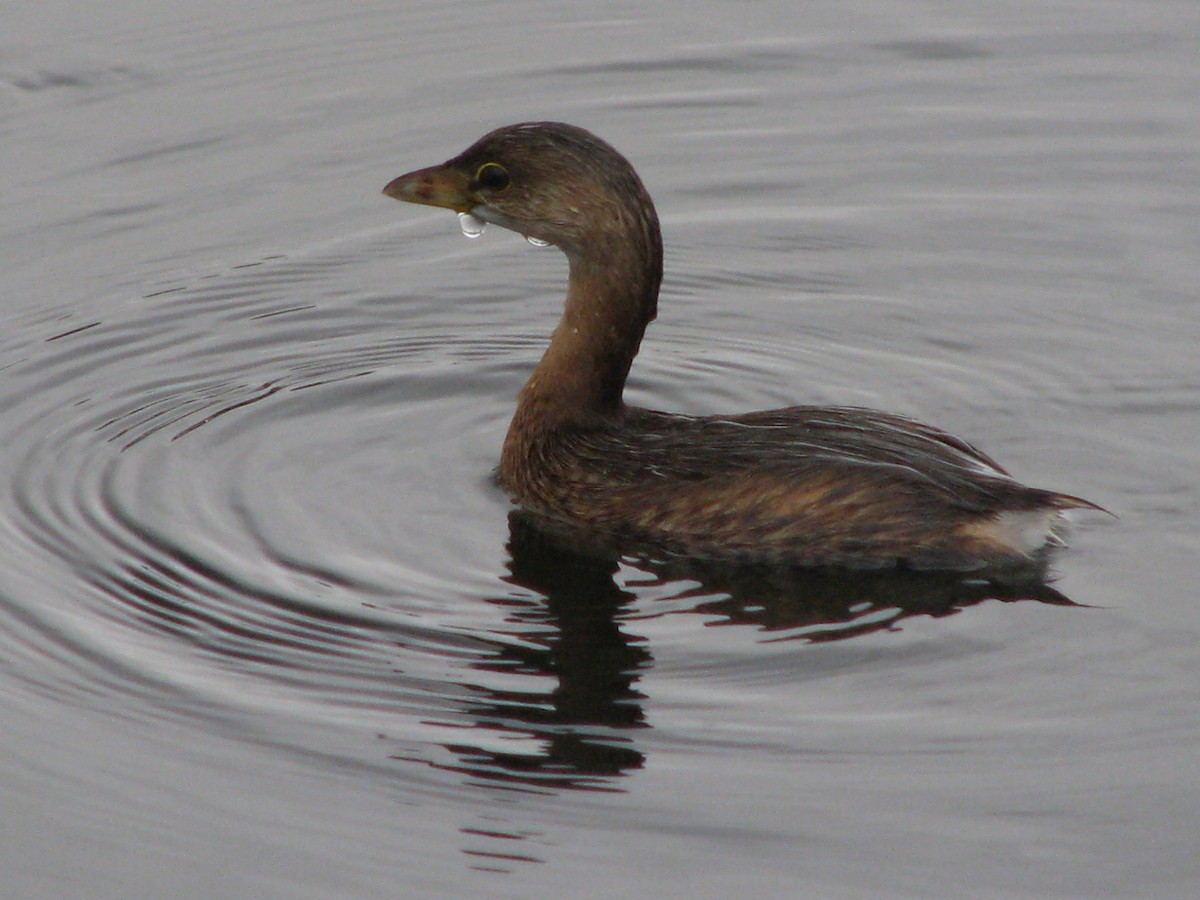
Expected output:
(611, 298)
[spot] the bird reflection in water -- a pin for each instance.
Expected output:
(569, 631)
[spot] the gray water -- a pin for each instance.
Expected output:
(265, 628)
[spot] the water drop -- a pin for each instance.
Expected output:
(471, 226)
(537, 242)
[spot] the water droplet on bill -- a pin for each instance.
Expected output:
(471, 226)
(537, 242)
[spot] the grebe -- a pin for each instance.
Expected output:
(805, 485)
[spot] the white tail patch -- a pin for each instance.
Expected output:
(1023, 532)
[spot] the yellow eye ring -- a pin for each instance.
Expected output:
(493, 177)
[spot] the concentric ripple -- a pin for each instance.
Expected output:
(232, 494)
(263, 492)
(264, 496)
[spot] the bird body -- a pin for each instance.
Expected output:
(806, 485)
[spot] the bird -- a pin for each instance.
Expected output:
(814, 486)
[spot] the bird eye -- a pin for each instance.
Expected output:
(493, 176)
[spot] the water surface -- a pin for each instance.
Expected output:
(268, 627)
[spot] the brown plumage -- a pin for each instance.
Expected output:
(808, 485)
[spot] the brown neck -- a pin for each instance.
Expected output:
(612, 296)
